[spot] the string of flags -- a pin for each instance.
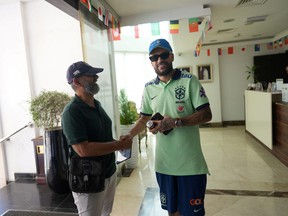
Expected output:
(193, 26)
(257, 47)
(105, 16)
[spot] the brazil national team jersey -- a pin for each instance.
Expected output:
(179, 152)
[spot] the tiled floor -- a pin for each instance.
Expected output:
(30, 196)
(245, 179)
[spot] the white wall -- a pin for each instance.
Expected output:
(14, 90)
(38, 43)
(54, 43)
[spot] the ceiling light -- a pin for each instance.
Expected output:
(248, 23)
(257, 35)
(228, 20)
(226, 30)
(256, 19)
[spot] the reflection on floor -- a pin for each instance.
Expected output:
(245, 179)
(30, 196)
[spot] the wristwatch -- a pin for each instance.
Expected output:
(178, 122)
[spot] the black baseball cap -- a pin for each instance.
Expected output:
(81, 68)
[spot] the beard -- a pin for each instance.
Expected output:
(168, 68)
(91, 88)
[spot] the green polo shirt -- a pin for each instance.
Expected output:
(179, 152)
(81, 123)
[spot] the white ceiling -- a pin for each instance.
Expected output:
(134, 12)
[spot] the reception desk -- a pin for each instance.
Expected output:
(258, 115)
(280, 131)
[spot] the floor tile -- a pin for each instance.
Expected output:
(245, 180)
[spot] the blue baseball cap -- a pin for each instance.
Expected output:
(160, 43)
(81, 68)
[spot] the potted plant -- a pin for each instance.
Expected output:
(46, 110)
(128, 111)
(251, 72)
(128, 116)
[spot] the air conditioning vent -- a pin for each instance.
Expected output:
(243, 3)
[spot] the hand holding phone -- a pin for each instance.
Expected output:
(151, 125)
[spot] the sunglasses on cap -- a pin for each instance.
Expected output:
(163, 56)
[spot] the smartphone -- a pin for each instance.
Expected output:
(158, 116)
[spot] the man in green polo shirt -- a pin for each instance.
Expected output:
(181, 169)
(88, 130)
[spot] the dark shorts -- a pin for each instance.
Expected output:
(182, 193)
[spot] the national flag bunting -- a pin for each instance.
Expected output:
(230, 50)
(210, 25)
(193, 25)
(208, 52)
(275, 44)
(280, 42)
(219, 51)
(198, 48)
(257, 47)
(269, 45)
(106, 20)
(286, 40)
(116, 24)
(155, 29)
(174, 26)
(88, 4)
(136, 30)
(116, 34)
(100, 11)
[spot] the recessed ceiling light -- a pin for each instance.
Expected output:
(257, 18)
(228, 20)
(214, 40)
(249, 23)
(226, 30)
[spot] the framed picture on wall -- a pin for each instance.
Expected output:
(185, 69)
(205, 73)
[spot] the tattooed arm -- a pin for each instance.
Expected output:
(202, 116)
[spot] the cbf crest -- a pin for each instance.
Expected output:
(180, 92)
(180, 95)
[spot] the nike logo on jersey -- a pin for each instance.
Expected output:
(153, 97)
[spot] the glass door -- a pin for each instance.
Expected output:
(98, 51)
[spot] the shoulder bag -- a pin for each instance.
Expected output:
(86, 175)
